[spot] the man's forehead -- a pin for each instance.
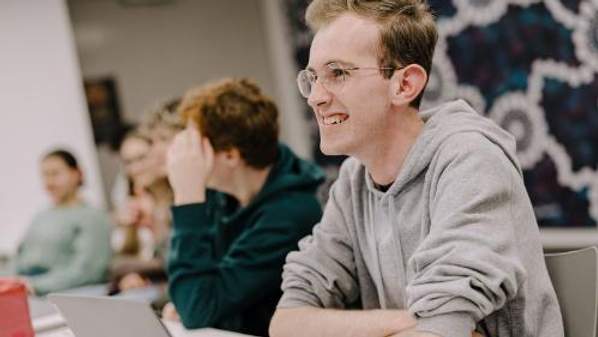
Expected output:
(347, 39)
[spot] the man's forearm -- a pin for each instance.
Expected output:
(414, 333)
(316, 322)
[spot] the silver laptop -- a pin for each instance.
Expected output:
(107, 316)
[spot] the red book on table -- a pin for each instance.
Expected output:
(14, 309)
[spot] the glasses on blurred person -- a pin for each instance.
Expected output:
(332, 78)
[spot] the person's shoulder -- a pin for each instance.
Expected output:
(469, 143)
(46, 212)
(475, 152)
(41, 217)
(92, 210)
(94, 214)
(291, 216)
(293, 204)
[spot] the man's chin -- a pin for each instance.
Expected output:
(332, 149)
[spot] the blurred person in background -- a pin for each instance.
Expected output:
(148, 208)
(67, 245)
(242, 201)
(160, 126)
(132, 239)
(132, 152)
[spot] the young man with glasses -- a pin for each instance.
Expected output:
(428, 230)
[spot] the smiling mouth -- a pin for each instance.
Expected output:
(335, 119)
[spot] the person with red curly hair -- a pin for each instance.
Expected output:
(242, 201)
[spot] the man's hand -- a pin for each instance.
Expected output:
(28, 285)
(190, 161)
(132, 281)
(309, 321)
(138, 211)
(169, 312)
(129, 215)
(413, 333)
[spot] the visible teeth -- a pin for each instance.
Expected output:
(334, 119)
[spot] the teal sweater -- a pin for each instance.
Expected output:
(225, 261)
(65, 247)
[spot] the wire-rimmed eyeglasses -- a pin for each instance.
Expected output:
(332, 78)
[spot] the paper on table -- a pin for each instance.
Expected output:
(176, 329)
(48, 322)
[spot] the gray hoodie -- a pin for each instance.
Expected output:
(453, 240)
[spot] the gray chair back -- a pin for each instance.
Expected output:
(574, 276)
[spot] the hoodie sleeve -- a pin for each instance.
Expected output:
(468, 266)
(323, 273)
(206, 289)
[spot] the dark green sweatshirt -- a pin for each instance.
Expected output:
(225, 262)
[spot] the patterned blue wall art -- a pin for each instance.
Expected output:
(530, 65)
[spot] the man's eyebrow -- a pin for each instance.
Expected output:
(341, 62)
(337, 61)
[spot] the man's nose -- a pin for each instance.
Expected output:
(318, 96)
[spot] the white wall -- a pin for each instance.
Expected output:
(42, 107)
(157, 52)
(295, 127)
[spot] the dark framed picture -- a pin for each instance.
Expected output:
(104, 110)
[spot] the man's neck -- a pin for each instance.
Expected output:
(248, 183)
(385, 158)
(70, 200)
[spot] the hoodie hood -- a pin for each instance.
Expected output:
(440, 123)
(291, 172)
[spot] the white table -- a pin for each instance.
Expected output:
(54, 326)
(47, 321)
(176, 329)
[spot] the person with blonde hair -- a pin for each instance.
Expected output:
(428, 231)
(242, 201)
(146, 213)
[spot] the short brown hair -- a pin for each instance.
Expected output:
(408, 32)
(234, 113)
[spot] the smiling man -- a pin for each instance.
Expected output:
(428, 230)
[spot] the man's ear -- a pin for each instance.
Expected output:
(231, 157)
(407, 83)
